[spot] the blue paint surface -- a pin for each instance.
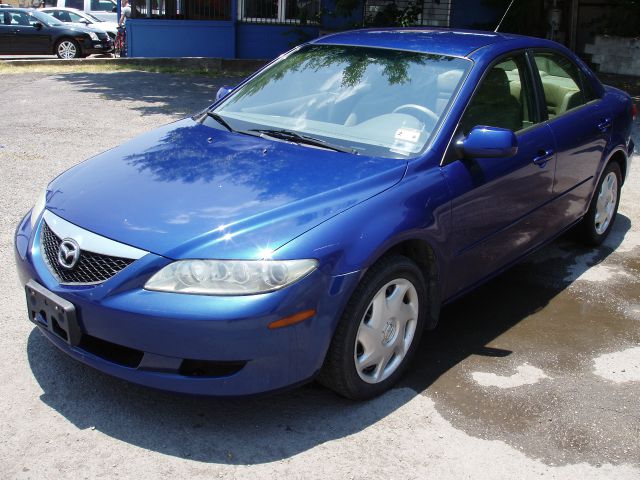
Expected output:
(180, 38)
(269, 41)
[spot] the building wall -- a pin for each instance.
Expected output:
(615, 54)
(269, 41)
(473, 14)
(180, 38)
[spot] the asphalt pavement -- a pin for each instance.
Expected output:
(535, 374)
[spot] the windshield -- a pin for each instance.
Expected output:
(46, 19)
(377, 102)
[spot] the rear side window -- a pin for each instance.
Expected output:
(562, 83)
(503, 98)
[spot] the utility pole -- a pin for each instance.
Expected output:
(573, 23)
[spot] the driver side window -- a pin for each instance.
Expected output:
(503, 99)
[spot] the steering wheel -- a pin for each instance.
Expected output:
(430, 114)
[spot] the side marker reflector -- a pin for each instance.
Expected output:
(292, 320)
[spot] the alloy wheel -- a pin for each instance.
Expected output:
(67, 50)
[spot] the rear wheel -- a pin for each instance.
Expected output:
(378, 332)
(68, 49)
(597, 223)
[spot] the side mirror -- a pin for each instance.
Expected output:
(114, 9)
(85, 21)
(223, 92)
(488, 142)
(38, 25)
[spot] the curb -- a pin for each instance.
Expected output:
(207, 64)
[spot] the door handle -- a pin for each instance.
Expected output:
(604, 125)
(543, 157)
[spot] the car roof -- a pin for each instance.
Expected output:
(66, 9)
(439, 41)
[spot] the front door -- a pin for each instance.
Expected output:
(497, 207)
(27, 38)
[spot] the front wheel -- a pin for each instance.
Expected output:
(379, 330)
(68, 49)
(597, 223)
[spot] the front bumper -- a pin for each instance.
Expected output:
(90, 47)
(177, 342)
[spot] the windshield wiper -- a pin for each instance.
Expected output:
(295, 137)
(217, 117)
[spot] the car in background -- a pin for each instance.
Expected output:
(102, 9)
(312, 222)
(31, 32)
(77, 17)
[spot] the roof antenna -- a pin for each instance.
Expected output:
(505, 14)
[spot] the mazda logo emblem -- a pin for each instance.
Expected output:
(68, 253)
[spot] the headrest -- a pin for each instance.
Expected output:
(448, 81)
(496, 83)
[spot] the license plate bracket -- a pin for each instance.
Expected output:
(48, 310)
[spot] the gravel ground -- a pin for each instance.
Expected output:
(535, 374)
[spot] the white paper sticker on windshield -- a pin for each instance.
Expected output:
(408, 134)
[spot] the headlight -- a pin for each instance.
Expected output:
(229, 277)
(94, 37)
(38, 208)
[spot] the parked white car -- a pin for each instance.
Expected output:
(102, 9)
(77, 17)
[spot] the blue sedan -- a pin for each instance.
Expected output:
(312, 222)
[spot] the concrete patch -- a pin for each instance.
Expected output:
(625, 241)
(619, 367)
(584, 270)
(526, 375)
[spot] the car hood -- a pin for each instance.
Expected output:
(74, 27)
(188, 190)
(81, 27)
(98, 27)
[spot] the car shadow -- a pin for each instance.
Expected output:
(271, 428)
(152, 93)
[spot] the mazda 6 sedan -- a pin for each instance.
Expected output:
(312, 222)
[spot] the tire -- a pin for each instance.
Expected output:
(67, 48)
(597, 223)
(378, 332)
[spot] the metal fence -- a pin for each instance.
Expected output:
(182, 9)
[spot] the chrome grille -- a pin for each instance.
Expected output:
(91, 267)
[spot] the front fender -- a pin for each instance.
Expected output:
(417, 208)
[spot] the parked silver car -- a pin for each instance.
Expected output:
(77, 17)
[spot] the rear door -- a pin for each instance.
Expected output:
(498, 203)
(581, 124)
